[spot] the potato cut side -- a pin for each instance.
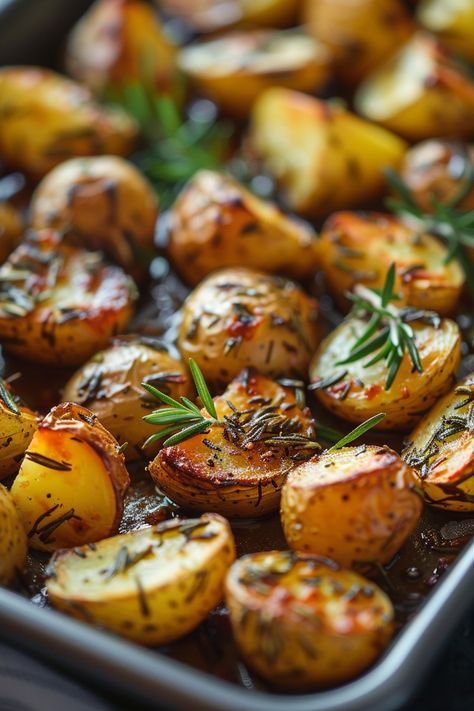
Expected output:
(13, 545)
(452, 21)
(17, 426)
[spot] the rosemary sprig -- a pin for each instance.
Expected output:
(358, 431)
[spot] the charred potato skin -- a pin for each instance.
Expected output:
(213, 472)
(445, 471)
(360, 247)
(360, 392)
(52, 118)
(368, 489)
(11, 229)
(13, 545)
(59, 507)
(238, 318)
(110, 385)
(302, 637)
(17, 426)
(149, 614)
(217, 223)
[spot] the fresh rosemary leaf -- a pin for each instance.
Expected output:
(187, 432)
(387, 290)
(358, 431)
(158, 436)
(190, 405)
(162, 396)
(157, 418)
(202, 388)
(365, 349)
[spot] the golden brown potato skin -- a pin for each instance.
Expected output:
(452, 22)
(441, 450)
(46, 119)
(302, 621)
(60, 304)
(17, 426)
(238, 318)
(216, 223)
(358, 248)
(11, 229)
(207, 15)
(110, 385)
(368, 490)
(105, 202)
(13, 545)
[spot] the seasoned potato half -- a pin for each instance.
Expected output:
(46, 118)
(13, 546)
(238, 468)
(104, 202)
(70, 487)
(211, 15)
(323, 157)
(110, 384)
(17, 426)
(360, 392)
(441, 449)
(359, 34)
(234, 69)
(60, 304)
(216, 223)
(419, 91)
(371, 490)
(116, 43)
(238, 318)
(152, 585)
(452, 21)
(302, 621)
(359, 248)
(11, 229)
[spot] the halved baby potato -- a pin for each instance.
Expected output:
(46, 118)
(110, 385)
(235, 68)
(452, 21)
(153, 585)
(17, 426)
(70, 487)
(421, 91)
(60, 304)
(441, 450)
(368, 490)
(11, 229)
(237, 318)
(355, 392)
(13, 545)
(302, 621)
(238, 468)
(358, 248)
(216, 222)
(323, 157)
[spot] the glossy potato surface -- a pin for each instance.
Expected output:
(17, 426)
(13, 545)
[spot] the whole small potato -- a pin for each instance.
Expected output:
(13, 546)
(110, 385)
(215, 223)
(368, 490)
(103, 201)
(17, 426)
(238, 318)
(11, 229)
(452, 21)
(212, 15)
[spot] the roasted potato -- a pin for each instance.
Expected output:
(17, 426)
(70, 487)
(238, 468)
(359, 248)
(153, 585)
(118, 42)
(11, 229)
(105, 202)
(13, 545)
(323, 157)
(359, 34)
(302, 621)
(359, 391)
(60, 304)
(110, 384)
(452, 21)
(371, 490)
(46, 118)
(422, 90)
(215, 223)
(441, 449)
(234, 69)
(239, 317)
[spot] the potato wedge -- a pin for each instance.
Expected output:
(441, 450)
(452, 21)
(371, 490)
(46, 118)
(238, 469)
(359, 393)
(233, 70)
(359, 248)
(60, 304)
(153, 585)
(323, 157)
(105, 203)
(302, 621)
(70, 487)
(13, 545)
(11, 229)
(238, 318)
(110, 385)
(421, 90)
(17, 426)
(216, 222)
